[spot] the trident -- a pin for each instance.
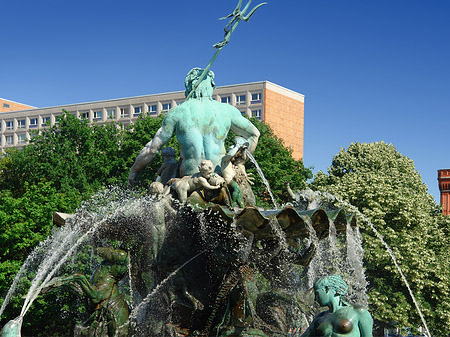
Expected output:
(236, 16)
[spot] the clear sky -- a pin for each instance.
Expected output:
(370, 70)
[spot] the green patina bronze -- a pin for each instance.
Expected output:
(201, 125)
(108, 308)
(341, 318)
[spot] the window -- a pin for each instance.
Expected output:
(85, 115)
(152, 109)
(124, 113)
(21, 124)
(21, 139)
(179, 102)
(9, 125)
(166, 107)
(244, 113)
(240, 99)
(98, 114)
(256, 113)
(256, 98)
(45, 121)
(33, 122)
(9, 140)
(57, 118)
(226, 99)
(111, 113)
(6, 105)
(137, 111)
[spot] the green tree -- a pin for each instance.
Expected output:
(135, 138)
(75, 157)
(387, 189)
(277, 165)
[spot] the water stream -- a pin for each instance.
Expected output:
(53, 253)
(261, 174)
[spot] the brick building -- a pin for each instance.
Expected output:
(7, 105)
(444, 188)
(281, 108)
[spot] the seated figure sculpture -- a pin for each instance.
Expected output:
(231, 165)
(341, 318)
(201, 125)
(186, 185)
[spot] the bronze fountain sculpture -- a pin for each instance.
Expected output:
(196, 263)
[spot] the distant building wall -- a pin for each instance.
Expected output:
(444, 187)
(285, 114)
(281, 108)
(7, 105)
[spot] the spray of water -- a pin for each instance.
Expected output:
(26, 265)
(138, 310)
(63, 244)
(330, 198)
(261, 174)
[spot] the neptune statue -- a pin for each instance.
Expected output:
(201, 125)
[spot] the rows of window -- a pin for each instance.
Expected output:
(152, 109)
(9, 139)
(241, 99)
(115, 113)
(21, 123)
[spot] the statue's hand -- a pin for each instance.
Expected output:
(250, 178)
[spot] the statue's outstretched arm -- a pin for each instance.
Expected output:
(88, 288)
(151, 149)
(244, 128)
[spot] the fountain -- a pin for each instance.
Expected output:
(194, 256)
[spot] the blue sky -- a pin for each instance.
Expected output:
(370, 70)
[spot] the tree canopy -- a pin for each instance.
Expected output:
(386, 188)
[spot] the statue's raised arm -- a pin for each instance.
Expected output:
(151, 149)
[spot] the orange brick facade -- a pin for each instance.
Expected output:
(444, 187)
(6, 106)
(286, 117)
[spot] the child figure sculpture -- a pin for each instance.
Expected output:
(188, 184)
(341, 318)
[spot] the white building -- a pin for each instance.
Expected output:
(281, 108)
